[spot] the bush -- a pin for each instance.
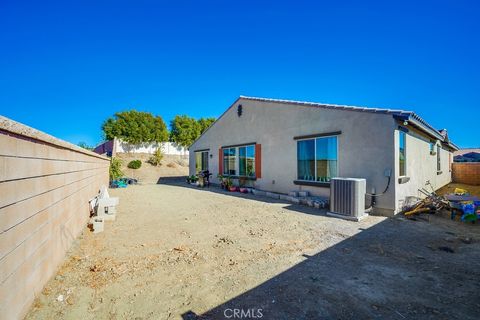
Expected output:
(156, 158)
(134, 164)
(115, 170)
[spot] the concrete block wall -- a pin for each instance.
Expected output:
(466, 172)
(45, 186)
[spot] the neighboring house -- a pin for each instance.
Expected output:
(282, 146)
(112, 147)
(467, 155)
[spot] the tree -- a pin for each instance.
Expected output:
(205, 123)
(184, 130)
(135, 127)
(84, 145)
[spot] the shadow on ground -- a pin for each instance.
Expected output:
(180, 181)
(397, 269)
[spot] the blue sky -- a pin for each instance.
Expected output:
(66, 66)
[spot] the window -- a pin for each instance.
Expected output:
(317, 159)
(439, 164)
(432, 148)
(246, 164)
(229, 155)
(239, 159)
(402, 153)
(201, 161)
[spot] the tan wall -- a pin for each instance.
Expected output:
(365, 144)
(466, 172)
(45, 185)
(421, 166)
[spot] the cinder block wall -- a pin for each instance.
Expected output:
(45, 185)
(466, 172)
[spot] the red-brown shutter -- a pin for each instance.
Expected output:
(220, 161)
(258, 160)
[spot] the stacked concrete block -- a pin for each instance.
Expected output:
(293, 193)
(303, 193)
(284, 197)
(259, 192)
(273, 195)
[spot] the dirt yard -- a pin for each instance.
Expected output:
(179, 252)
(171, 166)
(450, 188)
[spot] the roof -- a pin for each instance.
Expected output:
(403, 115)
(467, 150)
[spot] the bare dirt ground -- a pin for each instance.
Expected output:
(179, 252)
(171, 166)
(450, 188)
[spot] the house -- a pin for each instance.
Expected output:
(282, 146)
(467, 155)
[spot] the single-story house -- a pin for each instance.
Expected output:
(282, 146)
(467, 155)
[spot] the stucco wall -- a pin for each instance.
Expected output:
(421, 166)
(368, 146)
(365, 144)
(45, 185)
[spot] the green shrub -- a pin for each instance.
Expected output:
(134, 164)
(156, 158)
(115, 170)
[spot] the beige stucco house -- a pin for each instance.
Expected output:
(281, 146)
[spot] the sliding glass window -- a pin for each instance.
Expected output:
(201, 161)
(317, 159)
(246, 157)
(402, 153)
(229, 156)
(439, 163)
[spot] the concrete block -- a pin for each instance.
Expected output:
(293, 193)
(98, 224)
(273, 195)
(2, 169)
(303, 193)
(284, 197)
(259, 192)
(295, 200)
(9, 145)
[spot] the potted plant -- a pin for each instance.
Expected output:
(229, 185)
(221, 178)
(242, 181)
(193, 179)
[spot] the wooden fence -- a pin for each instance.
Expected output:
(466, 172)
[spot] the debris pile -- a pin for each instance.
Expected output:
(458, 203)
